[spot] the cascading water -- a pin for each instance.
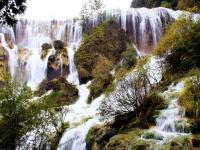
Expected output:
(144, 26)
(166, 123)
(171, 122)
(36, 68)
(75, 35)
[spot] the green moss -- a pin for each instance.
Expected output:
(165, 4)
(62, 93)
(140, 145)
(123, 141)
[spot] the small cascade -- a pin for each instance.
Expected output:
(82, 117)
(170, 123)
(75, 36)
(37, 68)
(166, 123)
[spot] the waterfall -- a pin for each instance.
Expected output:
(75, 36)
(143, 26)
(82, 117)
(171, 122)
(167, 121)
(12, 55)
(37, 68)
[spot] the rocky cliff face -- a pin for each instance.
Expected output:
(3, 62)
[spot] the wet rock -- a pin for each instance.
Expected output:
(98, 136)
(46, 46)
(58, 45)
(63, 93)
(45, 49)
(58, 65)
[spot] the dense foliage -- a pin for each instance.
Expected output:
(18, 114)
(189, 5)
(100, 53)
(9, 9)
(182, 40)
(190, 100)
(153, 3)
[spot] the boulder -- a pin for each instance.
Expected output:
(45, 50)
(63, 93)
(58, 65)
(46, 46)
(98, 136)
(58, 45)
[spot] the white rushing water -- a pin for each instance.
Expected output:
(82, 117)
(168, 119)
(37, 68)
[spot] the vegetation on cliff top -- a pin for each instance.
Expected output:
(188, 5)
(100, 53)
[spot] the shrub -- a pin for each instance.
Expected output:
(129, 56)
(58, 45)
(189, 5)
(165, 4)
(190, 99)
(46, 46)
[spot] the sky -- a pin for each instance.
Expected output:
(63, 9)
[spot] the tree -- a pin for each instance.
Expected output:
(129, 96)
(17, 114)
(89, 9)
(9, 9)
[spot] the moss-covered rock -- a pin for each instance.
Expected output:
(107, 39)
(190, 101)
(63, 92)
(123, 141)
(102, 77)
(98, 136)
(45, 49)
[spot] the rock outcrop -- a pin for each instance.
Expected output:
(3, 62)
(58, 64)
(63, 92)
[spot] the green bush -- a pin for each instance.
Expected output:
(107, 39)
(165, 4)
(190, 100)
(129, 56)
(181, 42)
